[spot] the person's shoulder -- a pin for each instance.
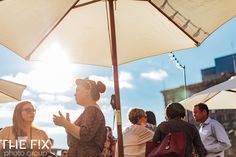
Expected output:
(186, 123)
(92, 109)
(214, 122)
(136, 128)
(38, 131)
(137, 134)
(192, 126)
(7, 129)
(140, 129)
(34, 128)
(95, 112)
(164, 124)
(6, 132)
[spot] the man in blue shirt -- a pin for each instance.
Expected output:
(212, 133)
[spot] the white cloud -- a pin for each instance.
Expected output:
(62, 98)
(125, 76)
(124, 80)
(104, 100)
(47, 97)
(155, 75)
(104, 104)
(108, 81)
(45, 113)
(46, 79)
(8, 106)
(54, 130)
(53, 98)
(6, 110)
(6, 114)
(106, 109)
(26, 93)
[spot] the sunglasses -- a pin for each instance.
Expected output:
(29, 110)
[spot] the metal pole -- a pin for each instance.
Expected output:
(185, 84)
(183, 68)
(185, 90)
(116, 80)
(234, 64)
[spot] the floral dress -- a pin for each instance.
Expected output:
(92, 134)
(107, 150)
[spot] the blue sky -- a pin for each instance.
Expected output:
(51, 87)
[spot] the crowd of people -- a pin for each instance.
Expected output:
(88, 136)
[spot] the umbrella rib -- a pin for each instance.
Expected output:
(86, 3)
(169, 18)
(49, 32)
(230, 90)
(210, 97)
(218, 93)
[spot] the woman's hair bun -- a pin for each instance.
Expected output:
(101, 87)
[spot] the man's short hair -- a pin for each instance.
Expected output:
(64, 151)
(52, 141)
(203, 107)
(108, 128)
(175, 110)
(135, 115)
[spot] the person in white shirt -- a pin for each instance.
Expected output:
(212, 133)
(136, 135)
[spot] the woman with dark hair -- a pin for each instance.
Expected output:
(151, 120)
(175, 112)
(109, 146)
(86, 136)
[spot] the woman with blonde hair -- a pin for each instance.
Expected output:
(87, 135)
(136, 135)
(23, 134)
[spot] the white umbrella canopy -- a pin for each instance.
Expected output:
(10, 91)
(93, 32)
(220, 96)
(143, 28)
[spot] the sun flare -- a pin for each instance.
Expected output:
(54, 73)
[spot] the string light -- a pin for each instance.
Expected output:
(176, 61)
(182, 67)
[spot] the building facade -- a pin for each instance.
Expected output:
(225, 64)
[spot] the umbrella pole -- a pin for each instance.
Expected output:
(116, 80)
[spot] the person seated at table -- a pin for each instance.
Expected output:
(136, 135)
(36, 140)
